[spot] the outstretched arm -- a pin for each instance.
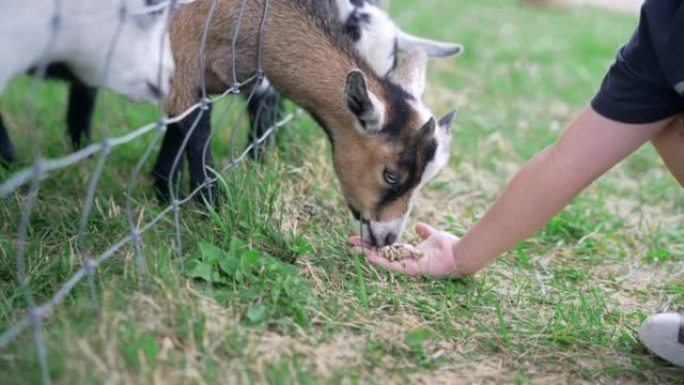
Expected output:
(670, 144)
(590, 146)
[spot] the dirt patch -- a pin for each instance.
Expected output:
(632, 6)
(628, 6)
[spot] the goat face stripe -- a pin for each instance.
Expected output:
(353, 25)
(414, 160)
(400, 110)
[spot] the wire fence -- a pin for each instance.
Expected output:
(42, 169)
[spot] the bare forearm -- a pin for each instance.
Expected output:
(670, 145)
(590, 146)
(516, 215)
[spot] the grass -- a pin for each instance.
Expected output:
(266, 290)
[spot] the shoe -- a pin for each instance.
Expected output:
(663, 334)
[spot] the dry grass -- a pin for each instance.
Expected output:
(562, 308)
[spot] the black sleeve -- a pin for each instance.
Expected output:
(635, 89)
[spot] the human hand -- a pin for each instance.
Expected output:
(438, 258)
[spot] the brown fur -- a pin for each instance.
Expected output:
(295, 47)
(309, 65)
(360, 170)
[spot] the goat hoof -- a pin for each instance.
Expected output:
(208, 194)
(7, 157)
(256, 153)
(162, 192)
(78, 144)
(6, 162)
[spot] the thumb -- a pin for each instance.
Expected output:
(424, 231)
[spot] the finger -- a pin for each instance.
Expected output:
(383, 262)
(357, 241)
(408, 267)
(424, 231)
(365, 250)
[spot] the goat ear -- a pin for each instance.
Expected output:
(445, 124)
(428, 129)
(362, 103)
(406, 42)
(445, 130)
(411, 72)
(443, 135)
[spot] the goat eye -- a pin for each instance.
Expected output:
(390, 178)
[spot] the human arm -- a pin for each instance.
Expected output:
(669, 143)
(591, 145)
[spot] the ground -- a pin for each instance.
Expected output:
(631, 6)
(618, 5)
(267, 291)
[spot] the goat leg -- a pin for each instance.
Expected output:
(265, 109)
(6, 146)
(163, 170)
(80, 113)
(198, 152)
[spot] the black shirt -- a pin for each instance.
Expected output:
(646, 82)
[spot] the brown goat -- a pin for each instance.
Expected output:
(385, 143)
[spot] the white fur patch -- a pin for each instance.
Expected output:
(263, 87)
(378, 36)
(381, 230)
(440, 160)
(83, 42)
(443, 138)
(377, 40)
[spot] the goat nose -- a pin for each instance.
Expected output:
(390, 239)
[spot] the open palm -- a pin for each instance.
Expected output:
(437, 249)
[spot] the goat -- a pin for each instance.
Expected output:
(374, 34)
(386, 144)
(141, 66)
(375, 37)
(80, 109)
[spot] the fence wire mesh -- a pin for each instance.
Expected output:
(42, 168)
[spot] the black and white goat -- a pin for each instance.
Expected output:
(141, 64)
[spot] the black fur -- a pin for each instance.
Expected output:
(354, 23)
(81, 103)
(355, 213)
(414, 160)
(79, 114)
(265, 109)
(401, 109)
(326, 129)
(357, 99)
(6, 146)
(198, 161)
(161, 173)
